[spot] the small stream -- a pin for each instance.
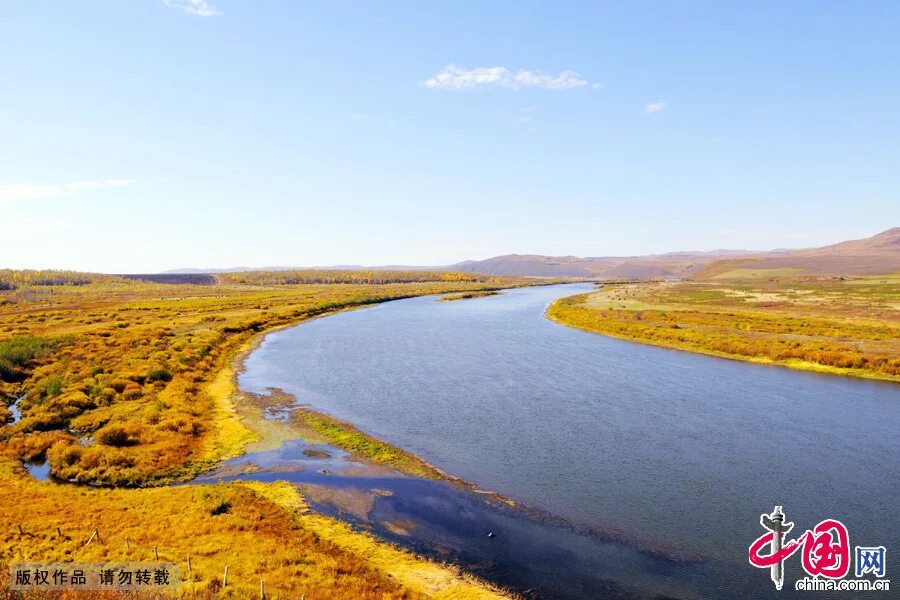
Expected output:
(38, 469)
(15, 410)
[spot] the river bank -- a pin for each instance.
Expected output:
(379, 489)
(250, 422)
(251, 425)
(831, 326)
(408, 505)
(125, 381)
(622, 439)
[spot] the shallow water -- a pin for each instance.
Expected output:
(40, 470)
(453, 524)
(668, 449)
(14, 410)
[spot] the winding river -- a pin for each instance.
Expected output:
(666, 458)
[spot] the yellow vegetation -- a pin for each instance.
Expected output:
(260, 531)
(141, 369)
(467, 296)
(831, 325)
(433, 580)
(131, 383)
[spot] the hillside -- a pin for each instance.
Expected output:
(879, 254)
(673, 265)
(876, 255)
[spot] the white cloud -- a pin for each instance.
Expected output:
(15, 192)
(655, 107)
(201, 8)
(453, 77)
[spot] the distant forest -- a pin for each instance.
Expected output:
(339, 276)
(15, 279)
(19, 279)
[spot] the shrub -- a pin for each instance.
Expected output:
(52, 386)
(217, 503)
(44, 421)
(64, 453)
(115, 435)
(16, 353)
(220, 508)
(118, 385)
(132, 391)
(159, 374)
(71, 404)
(35, 447)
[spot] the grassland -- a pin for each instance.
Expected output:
(123, 380)
(127, 384)
(467, 296)
(844, 326)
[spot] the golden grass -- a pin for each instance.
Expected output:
(229, 435)
(828, 325)
(264, 533)
(467, 296)
(430, 579)
(147, 372)
(145, 369)
(725, 272)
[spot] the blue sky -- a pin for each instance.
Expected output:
(150, 134)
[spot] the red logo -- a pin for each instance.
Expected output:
(825, 548)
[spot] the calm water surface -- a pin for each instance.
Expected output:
(668, 449)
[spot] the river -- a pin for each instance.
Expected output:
(666, 453)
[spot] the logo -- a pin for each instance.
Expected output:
(824, 554)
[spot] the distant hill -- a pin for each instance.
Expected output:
(673, 265)
(879, 254)
(876, 255)
(194, 271)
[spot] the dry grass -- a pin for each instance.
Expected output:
(131, 383)
(832, 325)
(142, 369)
(262, 533)
(467, 296)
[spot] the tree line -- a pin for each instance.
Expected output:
(326, 276)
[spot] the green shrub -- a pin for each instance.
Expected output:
(159, 374)
(15, 354)
(52, 386)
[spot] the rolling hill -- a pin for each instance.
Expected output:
(673, 265)
(879, 254)
(876, 255)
